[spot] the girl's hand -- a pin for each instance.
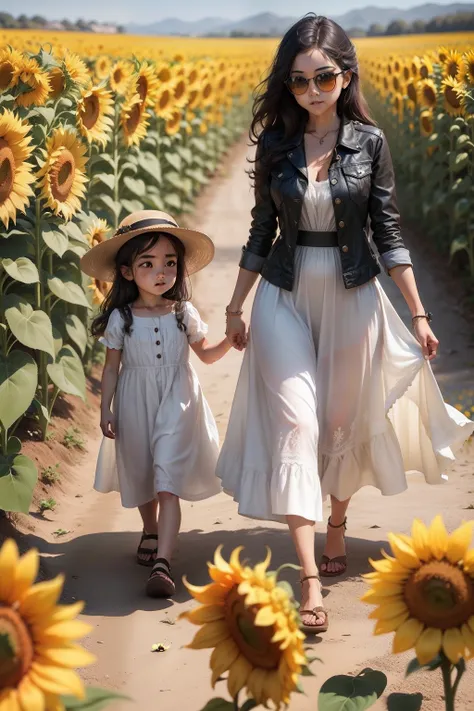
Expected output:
(107, 424)
(236, 331)
(426, 338)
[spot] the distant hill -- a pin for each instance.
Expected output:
(268, 23)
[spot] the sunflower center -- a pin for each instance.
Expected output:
(440, 595)
(452, 98)
(62, 176)
(254, 642)
(118, 76)
(7, 170)
(142, 87)
(57, 82)
(91, 111)
(16, 648)
(429, 95)
(6, 75)
(452, 69)
(133, 121)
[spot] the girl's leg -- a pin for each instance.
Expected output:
(302, 533)
(335, 545)
(169, 522)
(148, 513)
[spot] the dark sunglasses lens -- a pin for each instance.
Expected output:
(326, 81)
(297, 85)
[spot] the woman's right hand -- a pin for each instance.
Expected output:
(107, 424)
(236, 331)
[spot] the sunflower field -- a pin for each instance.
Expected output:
(84, 140)
(425, 102)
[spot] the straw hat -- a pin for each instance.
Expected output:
(99, 262)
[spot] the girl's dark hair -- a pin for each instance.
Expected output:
(124, 292)
(274, 106)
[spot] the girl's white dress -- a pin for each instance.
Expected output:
(166, 436)
(334, 392)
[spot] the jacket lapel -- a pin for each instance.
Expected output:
(297, 155)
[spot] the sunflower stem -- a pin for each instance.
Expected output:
(448, 689)
(460, 668)
(115, 155)
(40, 304)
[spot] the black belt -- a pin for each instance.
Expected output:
(307, 238)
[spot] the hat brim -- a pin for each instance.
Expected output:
(99, 262)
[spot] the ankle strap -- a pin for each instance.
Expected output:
(340, 525)
(310, 577)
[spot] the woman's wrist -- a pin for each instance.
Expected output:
(234, 309)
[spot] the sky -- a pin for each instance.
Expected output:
(144, 12)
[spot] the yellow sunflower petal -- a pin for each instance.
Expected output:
(428, 645)
(262, 567)
(459, 542)
(63, 613)
(72, 657)
(9, 700)
(234, 561)
(386, 626)
(470, 622)
(206, 613)
(403, 551)
(407, 635)
(69, 630)
(387, 611)
(222, 658)
(41, 598)
(273, 687)
(239, 672)
(211, 634)
(54, 703)
(468, 637)
(265, 617)
(57, 680)
(31, 698)
(25, 573)
(256, 684)
(438, 538)
(469, 562)
(8, 563)
(211, 594)
(421, 540)
(220, 563)
(453, 644)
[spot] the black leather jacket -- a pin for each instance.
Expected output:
(363, 192)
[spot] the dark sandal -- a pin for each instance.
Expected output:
(160, 583)
(142, 550)
(314, 629)
(340, 559)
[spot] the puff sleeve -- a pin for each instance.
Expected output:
(113, 335)
(196, 329)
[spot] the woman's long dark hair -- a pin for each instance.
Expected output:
(274, 106)
(124, 292)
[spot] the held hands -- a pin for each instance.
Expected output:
(107, 424)
(426, 338)
(236, 331)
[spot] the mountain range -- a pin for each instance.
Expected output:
(268, 23)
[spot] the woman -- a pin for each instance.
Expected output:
(334, 392)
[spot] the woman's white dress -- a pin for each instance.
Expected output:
(334, 392)
(166, 436)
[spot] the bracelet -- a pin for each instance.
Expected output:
(228, 312)
(428, 316)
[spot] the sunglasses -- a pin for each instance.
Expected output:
(326, 81)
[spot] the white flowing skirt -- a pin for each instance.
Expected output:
(334, 394)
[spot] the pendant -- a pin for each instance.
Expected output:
(321, 141)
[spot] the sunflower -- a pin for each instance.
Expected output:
(103, 67)
(164, 73)
(62, 178)
(147, 84)
(93, 114)
(134, 120)
(34, 83)
(10, 60)
(426, 122)
(71, 70)
(412, 92)
(253, 626)
(415, 67)
(120, 77)
(15, 173)
(39, 650)
(173, 124)
(442, 53)
(207, 92)
(164, 102)
(100, 289)
(425, 69)
(427, 93)
(194, 96)
(468, 67)
(97, 231)
(453, 65)
(396, 83)
(180, 93)
(398, 104)
(425, 593)
(452, 91)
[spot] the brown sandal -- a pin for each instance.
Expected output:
(161, 583)
(314, 629)
(142, 550)
(340, 559)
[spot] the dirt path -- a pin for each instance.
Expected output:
(98, 555)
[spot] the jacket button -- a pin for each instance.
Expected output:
(338, 201)
(333, 181)
(342, 223)
(158, 355)
(345, 248)
(156, 330)
(158, 343)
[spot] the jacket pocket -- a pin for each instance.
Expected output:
(358, 178)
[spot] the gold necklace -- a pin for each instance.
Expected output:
(321, 138)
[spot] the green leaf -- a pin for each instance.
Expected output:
(249, 705)
(43, 414)
(352, 693)
(73, 231)
(218, 705)
(186, 154)
(57, 241)
(32, 328)
(109, 203)
(151, 165)
(173, 201)
(461, 161)
(175, 179)
(404, 702)
(462, 209)
(18, 477)
(96, 699)
(67, 290)
(22, 269)
(18, 382)
(76, 332)
(104, 178)
(415, 666)
(287, 587)
(458, 245)
(132, 205)
(45, 112)
(174, 161)
(67, 373)
(13, 445)
(135, 186)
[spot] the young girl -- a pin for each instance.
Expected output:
(334, 393)
(166, 440)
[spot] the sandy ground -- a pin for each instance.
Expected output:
(98, 555)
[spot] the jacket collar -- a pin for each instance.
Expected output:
(347, 137)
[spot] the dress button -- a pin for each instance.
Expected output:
(156, 330)
(345, 248)
(338, 201)
(342, 223)
(333, 181)
(158, 355)
(158, 343)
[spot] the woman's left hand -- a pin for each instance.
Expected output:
(426, 338)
